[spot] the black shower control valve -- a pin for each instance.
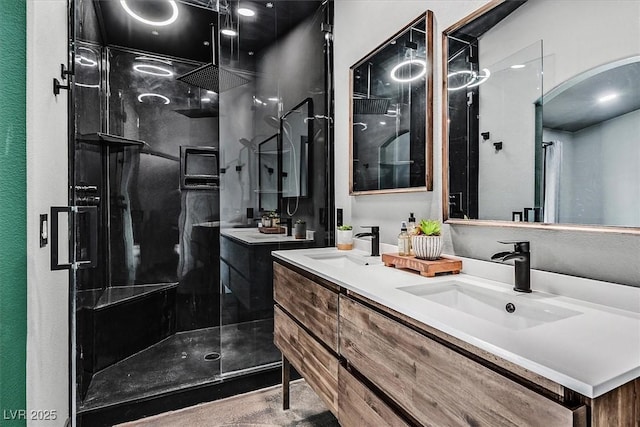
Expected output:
(485, 135)
(497, 145)
(238, 168)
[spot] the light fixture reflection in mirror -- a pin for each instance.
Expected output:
(151, 96)
(571, 151)
(154, 70)
(168, 21)
(391, 120)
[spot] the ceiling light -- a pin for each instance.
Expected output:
(608, 97)
(517, 66)
(269, 5)
(229, 32)
(153, 95)
(245, 11)
(171, 20)
(383, 123)
(409, 63)
(154, 70)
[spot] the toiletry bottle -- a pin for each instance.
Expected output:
(411, 226)
(403, 241)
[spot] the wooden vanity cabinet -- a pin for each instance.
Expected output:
(373, 367)
(306, 331)
(435, 384)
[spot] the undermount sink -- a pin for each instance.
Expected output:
(500, 308)
(345, 260)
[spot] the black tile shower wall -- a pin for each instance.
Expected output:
(125, 328)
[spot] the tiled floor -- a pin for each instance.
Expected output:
(259, 408)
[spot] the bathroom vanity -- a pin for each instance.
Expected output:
(245, 263)
(383, 346)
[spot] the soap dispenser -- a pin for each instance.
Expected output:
(404, 242)
(411, 224)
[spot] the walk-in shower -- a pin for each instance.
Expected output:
(167, 121)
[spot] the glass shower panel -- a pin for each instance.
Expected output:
(283, 76)
(149, 320)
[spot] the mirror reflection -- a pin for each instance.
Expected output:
(390, 113)
(268, 174)
(295, 127)
(545, 127)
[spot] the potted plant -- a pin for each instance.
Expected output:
(426, 240)
(300, 229)
(345, 237)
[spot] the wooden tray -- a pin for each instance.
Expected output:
(423, 266)
(272, 230)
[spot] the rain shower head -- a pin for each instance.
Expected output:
(214, 78)
(545, 144)
(371, 105)
(251, 145)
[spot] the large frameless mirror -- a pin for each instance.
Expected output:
(391, 114)
(541, 127)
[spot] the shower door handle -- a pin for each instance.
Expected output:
(83, 250)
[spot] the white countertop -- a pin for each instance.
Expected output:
(592, 352)
(252, 236)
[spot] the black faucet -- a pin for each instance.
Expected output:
(522, 262)
(375, 238)
(289, 224)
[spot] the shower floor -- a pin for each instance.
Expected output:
(178, 362)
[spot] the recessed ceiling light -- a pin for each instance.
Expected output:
(269, 5)
(154, 32)
(250, 53)
(170, 20)
(608, 97)
(153, 95)
(245, 11)
(516, 66)
(229, 32)
(206, 43)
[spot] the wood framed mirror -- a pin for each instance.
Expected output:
(391, 114)
(541, 116)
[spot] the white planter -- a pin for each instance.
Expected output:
(344, 239)
(426, 247)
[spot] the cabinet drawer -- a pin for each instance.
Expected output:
(314, 362)
(359, 406)
(434, 383)
(313, 305)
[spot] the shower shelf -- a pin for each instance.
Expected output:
(105, 138)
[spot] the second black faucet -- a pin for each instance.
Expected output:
(375, 238)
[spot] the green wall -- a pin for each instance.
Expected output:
(13, 207)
